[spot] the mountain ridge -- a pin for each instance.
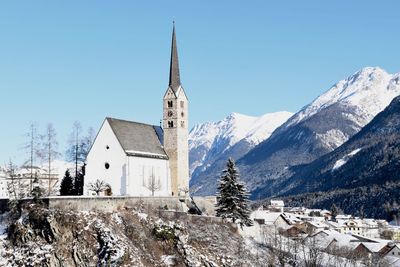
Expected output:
(317, 129)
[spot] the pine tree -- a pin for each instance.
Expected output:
(334, 211)
(79, 182)
(67, 185)
(232, 197)
(37, 191)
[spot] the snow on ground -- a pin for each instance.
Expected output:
(117, 218)
(142, 216)
(333, 138)
(339, 163)
(168, 260)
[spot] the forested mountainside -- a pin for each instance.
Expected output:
(364, 171)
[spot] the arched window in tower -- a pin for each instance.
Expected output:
(170, 124)
(170, 105)
(170, 113)
(182, 124)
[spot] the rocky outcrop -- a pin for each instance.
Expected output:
(128, 237)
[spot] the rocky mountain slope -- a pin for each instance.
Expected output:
(131, 237)
(370, 159)
(319, 128)
(211, 144)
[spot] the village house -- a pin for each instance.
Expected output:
(276, 205)
(3, 185)
(394, 251)
(266, 217)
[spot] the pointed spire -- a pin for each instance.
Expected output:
(174, 77)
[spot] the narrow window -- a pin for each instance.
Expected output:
(170, 105)
(182, 114)
(170, 124)
(182, 104)
(170, 113)
(182, 124)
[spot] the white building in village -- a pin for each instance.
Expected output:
(137, 159)
(3, 185)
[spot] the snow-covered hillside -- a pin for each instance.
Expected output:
(370, 90)
(209, 140)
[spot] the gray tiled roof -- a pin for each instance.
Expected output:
(138, 138)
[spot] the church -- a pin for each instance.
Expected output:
(138, 159)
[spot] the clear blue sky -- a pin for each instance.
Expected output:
(62, 61)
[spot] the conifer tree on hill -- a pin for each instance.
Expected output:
(37, 191)
(233, 197)
(67, 185)
(79, 182)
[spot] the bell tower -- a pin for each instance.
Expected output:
(175, 125)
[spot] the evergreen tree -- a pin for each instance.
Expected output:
(79, 182)
(232, 197)
(37, 191)
(67, 185)
(334, 211)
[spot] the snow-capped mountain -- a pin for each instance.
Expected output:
(322, 126)
(318, 128)
(209, 140)
(367, 166)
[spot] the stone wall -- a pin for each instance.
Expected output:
(109, 204)
(206, 204)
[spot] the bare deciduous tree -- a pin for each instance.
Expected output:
(48, 151)
(153, 184)
(75, 144)
(98, 186)
(16, 187)
(31, 147)
(312, 253)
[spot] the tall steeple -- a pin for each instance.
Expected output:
(174, 77)
(175, 125)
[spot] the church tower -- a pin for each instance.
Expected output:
(175, 124)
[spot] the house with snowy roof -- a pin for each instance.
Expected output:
(139, 159)
(265, 217)
(394, 250)
(371, 248)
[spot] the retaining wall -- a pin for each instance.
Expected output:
(109, 204)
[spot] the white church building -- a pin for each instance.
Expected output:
(137, 159)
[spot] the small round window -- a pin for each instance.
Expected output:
(107, 147)
(107, 165)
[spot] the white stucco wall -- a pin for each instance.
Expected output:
(141, 169)
(99, 155)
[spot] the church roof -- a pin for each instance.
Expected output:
(139, 139)
(174, 77)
